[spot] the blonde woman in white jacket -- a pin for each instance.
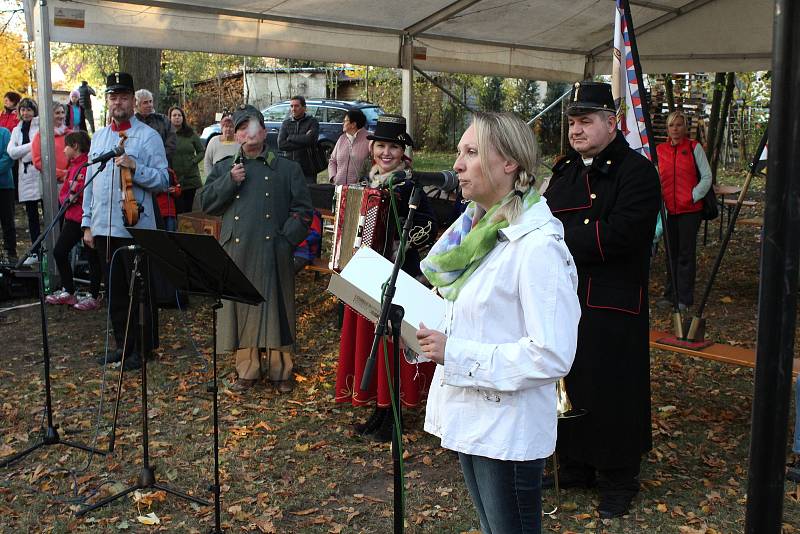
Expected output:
(29, 190)
(510, 327)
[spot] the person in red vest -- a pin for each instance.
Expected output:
(685, 180)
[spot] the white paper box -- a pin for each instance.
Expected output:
(360, 286)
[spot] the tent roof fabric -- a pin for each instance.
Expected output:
(535, 39)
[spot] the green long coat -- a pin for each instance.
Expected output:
(263, 220)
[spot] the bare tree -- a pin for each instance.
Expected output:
(144, 64)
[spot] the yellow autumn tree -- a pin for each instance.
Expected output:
(15, 74)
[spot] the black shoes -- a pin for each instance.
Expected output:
(378, 426)
(132, 360)
(374, 421)
(615, 503)
(571, 478)
(113, 357)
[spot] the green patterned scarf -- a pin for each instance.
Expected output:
(461, 249)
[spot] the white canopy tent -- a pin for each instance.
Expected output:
(534, 39)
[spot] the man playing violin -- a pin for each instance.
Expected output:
(144, 164)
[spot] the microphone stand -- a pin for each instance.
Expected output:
(394, 314)
(49, 433)
(147, 477)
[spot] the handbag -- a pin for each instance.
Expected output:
(710, 206)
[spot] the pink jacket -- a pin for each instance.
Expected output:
(347, 160)
(75, 211)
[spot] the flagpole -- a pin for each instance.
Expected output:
(677, 320)
(777, 298)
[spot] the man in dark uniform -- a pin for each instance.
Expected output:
(607, 196)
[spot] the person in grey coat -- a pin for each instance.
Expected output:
(266, 210)
(145, 112)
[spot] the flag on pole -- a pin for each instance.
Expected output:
(625, 87)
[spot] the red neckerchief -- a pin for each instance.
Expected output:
(124, 125)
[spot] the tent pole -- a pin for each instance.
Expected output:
(777, 304)
(44, 92)
(407, 90)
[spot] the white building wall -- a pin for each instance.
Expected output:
(262, 89)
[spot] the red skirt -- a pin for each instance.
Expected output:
(354, 347)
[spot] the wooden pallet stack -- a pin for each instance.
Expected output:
(689, 90)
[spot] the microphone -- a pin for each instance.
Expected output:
(104, 157)
(445, 180)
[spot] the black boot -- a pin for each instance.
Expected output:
(113, 357)
(383, 432)
(617, 488)
(571, 475)
(372, 423)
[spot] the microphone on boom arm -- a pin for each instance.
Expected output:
(445, 180)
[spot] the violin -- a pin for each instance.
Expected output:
(130, 208)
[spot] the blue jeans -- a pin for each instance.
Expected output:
(796, 447)
(506, 494)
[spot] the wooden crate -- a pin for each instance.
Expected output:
(197, 222)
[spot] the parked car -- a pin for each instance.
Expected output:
(329, 113)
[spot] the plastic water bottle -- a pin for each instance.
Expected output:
(45, 274)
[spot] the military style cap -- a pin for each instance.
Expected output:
(392, 128)
(244, 113)
(588, 97)
(119, 82)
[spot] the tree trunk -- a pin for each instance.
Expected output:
(669, 91)
(144, 64)
(711, 141)
(723, 120)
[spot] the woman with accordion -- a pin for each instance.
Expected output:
(389, 170)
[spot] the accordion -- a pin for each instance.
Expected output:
(361, 219)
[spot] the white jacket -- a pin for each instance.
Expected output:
(30, 180)
(512, 334)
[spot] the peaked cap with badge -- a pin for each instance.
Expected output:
(588, 97)
(119, 82)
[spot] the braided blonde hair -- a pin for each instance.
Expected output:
(514, 141)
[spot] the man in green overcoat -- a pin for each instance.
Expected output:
(266, 210)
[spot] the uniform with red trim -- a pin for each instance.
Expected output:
(608, 205)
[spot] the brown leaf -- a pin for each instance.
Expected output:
(305, 512)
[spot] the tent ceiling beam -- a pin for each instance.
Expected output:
(440, 16)
(265, 16)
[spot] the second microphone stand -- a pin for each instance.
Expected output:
(49, 433)
(393, 314)
(146, 478)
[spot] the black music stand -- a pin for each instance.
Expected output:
(196, 264)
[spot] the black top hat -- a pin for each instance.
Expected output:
(392, 128)
(119, 82)
(244, 113)
(588, 97)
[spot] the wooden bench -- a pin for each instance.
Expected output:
(719, 352)
(752, 221)
(319, 265)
